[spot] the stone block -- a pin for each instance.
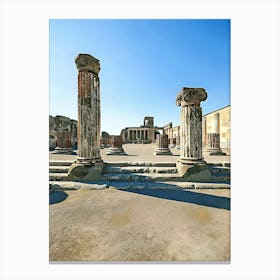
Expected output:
(194, 172)
(84, 172)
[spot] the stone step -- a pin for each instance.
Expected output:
(58, 176)
(139, 177)
(58, 169)
(141, 163)
(215, 170)
(60, 162)
(139, 169)
(124, 185)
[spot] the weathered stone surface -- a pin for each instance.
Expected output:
(191, 96)
(63, 143)
(105, 139)
(62, 127)
(88, 165)
(86, 62)
(115, 225)
(84, 172)
(116, 146)
(63, 139)
(190, 163)
(213, 139)
(194, 173)
(162, 145)
(88, 106)
(178, 142)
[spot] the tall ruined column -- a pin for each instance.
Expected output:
(190, 163)
(88, 108)
(213, 138)
(89, 162)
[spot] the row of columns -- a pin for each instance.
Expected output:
(89, 119)
(137, 135)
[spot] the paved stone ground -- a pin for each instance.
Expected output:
(141, 152)
(143, 225)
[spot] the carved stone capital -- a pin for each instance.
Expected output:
(86, 62)
(189, 96)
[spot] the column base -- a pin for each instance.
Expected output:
(214, 152)
(172, 146)
(193, 170)
(65, 151)
(115, 152)
(162, 152)
(86, 169)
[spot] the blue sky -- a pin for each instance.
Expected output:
(144, 64)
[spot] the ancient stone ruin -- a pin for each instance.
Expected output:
(187, 137)
(143, 134)
(89, 164)
(116, 148)
(162, 145)
(62, 134)
(190, 163)
(213, 138)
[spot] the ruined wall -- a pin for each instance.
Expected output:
(224, 126)
(62, 124)
(209, 126)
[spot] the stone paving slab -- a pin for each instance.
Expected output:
(142, 153)
(140, 225)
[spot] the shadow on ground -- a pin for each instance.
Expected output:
(188, 196)
(57, 196)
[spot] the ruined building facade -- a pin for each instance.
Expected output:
(59, 124)
(145, 133)
(215, 131)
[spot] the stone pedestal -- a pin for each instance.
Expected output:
(162, 145)
(213, 139)
(190, 164)
(172, 143)
(178, 142)
(89, 164)
(63, 143)
(116, 146)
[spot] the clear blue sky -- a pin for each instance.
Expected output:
(144, 64)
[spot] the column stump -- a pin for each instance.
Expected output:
(116, 149)
(162, 146)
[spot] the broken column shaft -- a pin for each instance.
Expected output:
(88, 109)
(116, 146)
(89, 165)
(213, 138)
(162, 145)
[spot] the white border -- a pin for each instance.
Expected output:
(255, 137)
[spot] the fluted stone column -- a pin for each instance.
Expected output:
(88, 119)
(213, 138)
(191, 164)
(162, 145)
(116, 146)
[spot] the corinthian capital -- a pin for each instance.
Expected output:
(86, 62)
(189, 96)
